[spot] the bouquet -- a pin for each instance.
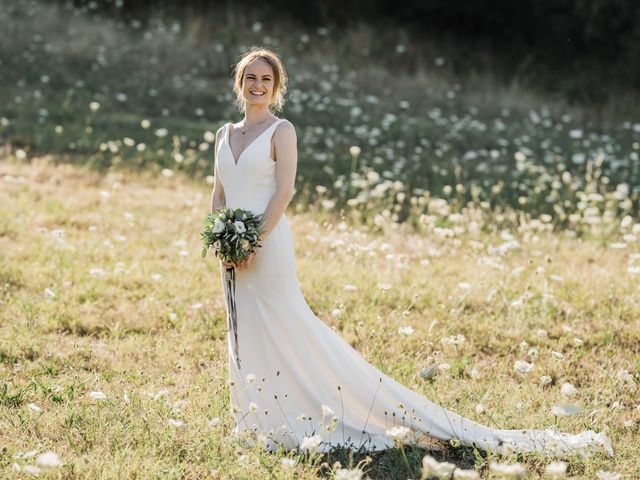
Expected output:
(234, 234)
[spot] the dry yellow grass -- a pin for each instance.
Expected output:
(103, 289)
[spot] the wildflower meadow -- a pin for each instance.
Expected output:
(481, 248)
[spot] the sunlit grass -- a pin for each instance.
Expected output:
(103, 289)
(441, 224)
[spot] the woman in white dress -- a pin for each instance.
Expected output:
(294, 382)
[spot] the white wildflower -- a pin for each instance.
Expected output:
(556, 469)
(326, 411)
(175, 423)
(32, 470)
(29, 454)
(405, 330)
(311, 443)
(568, 390)
(432, 467)
(514, 470)
(454, 340)
(162, 393)
(97, 272)
(398, 433)
(625, 377)
(565, 410)
(465, 474)
(48, 459)
(354, 150)
(523, 367)
(346, 474)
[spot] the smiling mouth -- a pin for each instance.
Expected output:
(257, 94)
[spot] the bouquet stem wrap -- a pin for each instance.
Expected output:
(232, 317)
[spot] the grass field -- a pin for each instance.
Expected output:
(440, 219)
(103, 289)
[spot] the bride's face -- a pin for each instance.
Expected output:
(258, 83)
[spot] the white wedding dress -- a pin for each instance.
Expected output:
(289, 364)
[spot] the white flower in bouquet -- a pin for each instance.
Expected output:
(235, 243)
(240, 228)
(218, 226)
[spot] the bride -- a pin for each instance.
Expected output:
(294, 382)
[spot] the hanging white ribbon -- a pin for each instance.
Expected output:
(232, 317)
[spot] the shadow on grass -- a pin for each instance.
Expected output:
(395, 463)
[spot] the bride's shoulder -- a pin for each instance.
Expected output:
(220, 131)
(285, 125)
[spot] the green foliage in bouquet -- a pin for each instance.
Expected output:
(232, 232)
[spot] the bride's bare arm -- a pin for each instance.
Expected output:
(217, 195)
(285, 142)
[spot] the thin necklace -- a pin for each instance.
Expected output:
(252, 125)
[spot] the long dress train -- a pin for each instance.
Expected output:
(295, 377)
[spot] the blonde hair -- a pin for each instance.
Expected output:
(279, 77)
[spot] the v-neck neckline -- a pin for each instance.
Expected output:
(235, 162)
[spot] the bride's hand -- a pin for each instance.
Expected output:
(227, 264)
(247, 261)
